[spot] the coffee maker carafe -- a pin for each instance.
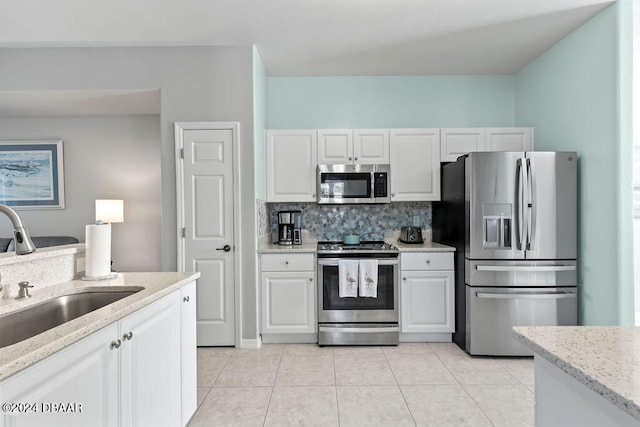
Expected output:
(289, 223)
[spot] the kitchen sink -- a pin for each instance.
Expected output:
(22, 324)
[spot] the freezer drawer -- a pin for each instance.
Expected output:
(485, 273)
(492, 312)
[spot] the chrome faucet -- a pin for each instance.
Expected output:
(24, 245)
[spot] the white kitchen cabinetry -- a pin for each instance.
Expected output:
(291, 165)
(150, 360)
(188, 349)
(509, 139)
(427, 296)
(415, 164)
(371, 146)
(335, 146)
(455, 142)
(350, 147)
(84, 374)
(127, 374)
(288, 294)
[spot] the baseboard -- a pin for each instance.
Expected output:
(425, 337)
(250, 343)
(290, 338)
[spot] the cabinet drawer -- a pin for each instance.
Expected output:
(426, 261)
(287, 262)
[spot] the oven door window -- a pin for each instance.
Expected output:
(345, 185)
(331, 299)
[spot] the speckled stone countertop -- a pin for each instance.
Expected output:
(18, 356)
(306, 246)
(427, 246)
(605, 359)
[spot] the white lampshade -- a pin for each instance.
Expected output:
(109, 210)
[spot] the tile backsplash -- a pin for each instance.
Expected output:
(331, 222)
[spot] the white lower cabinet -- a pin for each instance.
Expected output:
(150, 365)
(127, 374)
(84, 375)
(189, 349)
(427, 293)
(288, 295)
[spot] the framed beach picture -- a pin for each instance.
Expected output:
(32, 174)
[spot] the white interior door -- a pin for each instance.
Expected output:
(206, 213)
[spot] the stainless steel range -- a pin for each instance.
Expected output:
(350, 312)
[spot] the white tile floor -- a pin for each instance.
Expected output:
(412, 384)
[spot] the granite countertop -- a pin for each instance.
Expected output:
(306, 246)
(605, 359)
(426, 246)
(18, 356)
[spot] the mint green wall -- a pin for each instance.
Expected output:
(259, 124)
(573, 98)
(371, 102)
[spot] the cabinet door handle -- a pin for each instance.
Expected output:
(225, 248)
(356, 159)
(127, 336)
(404, 278)
(115, 344)
(428, 261)
(186, 299)
(350, 158)
(286, 263)
(311, 279)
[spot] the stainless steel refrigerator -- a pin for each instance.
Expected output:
(512, 218)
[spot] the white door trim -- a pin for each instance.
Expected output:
(179, 128)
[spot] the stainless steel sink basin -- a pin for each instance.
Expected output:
(33, 320)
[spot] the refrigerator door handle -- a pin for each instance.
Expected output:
(524, 295)
(531, 206)
(521, 177)
(539, 268)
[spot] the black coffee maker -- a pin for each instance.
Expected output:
(289, 223)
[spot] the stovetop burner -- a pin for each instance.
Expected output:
(365, 247)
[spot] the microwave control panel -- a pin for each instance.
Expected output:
(380, 184)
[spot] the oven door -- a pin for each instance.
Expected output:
(333, 309)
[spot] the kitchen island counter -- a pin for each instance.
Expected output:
(16, 357)
(600, 359)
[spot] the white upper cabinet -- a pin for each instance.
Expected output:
(335, 146)
(455, 142)
(415, 164)
(349, 147)
(291, 165)
(509, 139)
(371, 146)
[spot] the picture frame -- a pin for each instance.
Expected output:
(32, 174)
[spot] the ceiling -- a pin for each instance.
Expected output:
(315, 37)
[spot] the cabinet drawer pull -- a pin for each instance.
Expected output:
(428, 261)
(127, 336)
(286, 263)
(115, 344)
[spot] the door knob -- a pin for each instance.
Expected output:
(225, 248)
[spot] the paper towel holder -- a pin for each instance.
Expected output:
(108, 211)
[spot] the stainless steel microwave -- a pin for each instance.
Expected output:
(342, 184)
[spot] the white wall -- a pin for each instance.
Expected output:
(104, 157)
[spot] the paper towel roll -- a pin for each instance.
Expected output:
(98, 251)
